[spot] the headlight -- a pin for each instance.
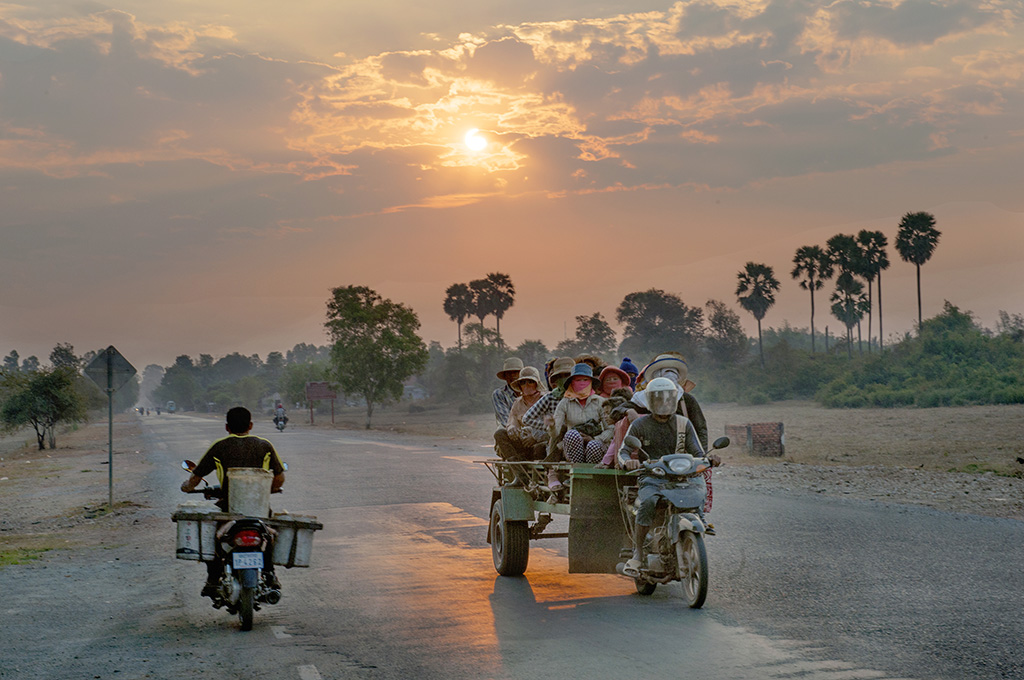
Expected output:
(681, 466)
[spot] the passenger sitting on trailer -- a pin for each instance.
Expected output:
(516, 441)
(661, 433)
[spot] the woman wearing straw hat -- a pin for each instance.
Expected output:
(516, 441)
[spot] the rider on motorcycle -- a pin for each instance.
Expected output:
(660, 433)
(279, 413)
(238, 449)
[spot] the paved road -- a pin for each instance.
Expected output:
(403, 587)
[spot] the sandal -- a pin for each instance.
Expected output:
(632, 568)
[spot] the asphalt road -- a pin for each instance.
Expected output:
(403, 587)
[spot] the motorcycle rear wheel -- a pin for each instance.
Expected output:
(246, 604)
(692, 561)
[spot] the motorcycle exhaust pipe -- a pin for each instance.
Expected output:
(272, 596)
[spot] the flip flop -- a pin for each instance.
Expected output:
(632, 568)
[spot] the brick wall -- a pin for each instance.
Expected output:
(758, 439)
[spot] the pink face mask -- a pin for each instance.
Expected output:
(582, 385)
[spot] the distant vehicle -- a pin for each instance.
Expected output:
(171, 408)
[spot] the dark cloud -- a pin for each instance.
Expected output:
(911, 22)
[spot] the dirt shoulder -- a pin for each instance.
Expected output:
(959, 459)
(57, 498)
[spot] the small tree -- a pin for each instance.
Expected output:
(724, 340)
(503, 296)
(875, 261)
(593, 336)
(756, 294)
(915, 242)
(41, 398)
(655, 321)
(375, 345)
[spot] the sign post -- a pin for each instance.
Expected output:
(317, 391)
(110, 371)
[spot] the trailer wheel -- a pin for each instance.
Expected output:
(510, 543)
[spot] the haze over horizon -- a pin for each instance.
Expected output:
(186, 178)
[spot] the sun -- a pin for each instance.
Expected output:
(475, 141)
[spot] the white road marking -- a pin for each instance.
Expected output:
(309, 673)
(279, 632)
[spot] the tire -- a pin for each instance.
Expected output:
(510, 543)
(246, 604)
(692, 568)
(644, 587)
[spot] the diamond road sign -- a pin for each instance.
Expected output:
(109, 370)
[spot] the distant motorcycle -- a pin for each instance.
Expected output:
(674, 549)
(280, 422)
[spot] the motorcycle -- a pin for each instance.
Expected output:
(280, 422)
(674, 548)
(241, 545)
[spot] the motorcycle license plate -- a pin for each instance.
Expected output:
(247, 560)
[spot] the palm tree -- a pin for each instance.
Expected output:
(875, 260)
(849, 305)
(915, 242)
(503, 296)
(813, 264)
(458, 305)
(482, 295)
(846, 256)
(756, 294)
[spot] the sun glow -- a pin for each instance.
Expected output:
(475, 141)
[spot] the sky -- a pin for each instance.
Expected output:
(186, 177)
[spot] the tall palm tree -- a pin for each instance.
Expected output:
(482, 298)
(849, 304)
(915, 242)
(756, 294)
(811, 263)
(503, 296)
(875, 260)
(458, 305)
(845, 254)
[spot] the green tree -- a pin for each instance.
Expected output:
(724, 340)
(533, 353)
(812, 267)
(875, 260)
(655, 321)
(459, 305)
(916, 241)
(755, 291)
(63, 356)
(296, 375)
(42, 399)
(11, 364)
(375, 348)
(593, 336)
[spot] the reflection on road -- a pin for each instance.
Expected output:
(427, 583)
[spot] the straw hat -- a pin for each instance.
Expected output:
(528, 374)
(666, 360)
(562, 366)
(512, 365)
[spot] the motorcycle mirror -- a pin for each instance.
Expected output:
(187, 465)
(631, 443)
(284, 465)
(721, 443)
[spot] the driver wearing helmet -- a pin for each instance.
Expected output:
(660, 433)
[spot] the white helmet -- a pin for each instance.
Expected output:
(662, 396)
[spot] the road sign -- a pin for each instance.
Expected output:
(109, 370)
(316, 391)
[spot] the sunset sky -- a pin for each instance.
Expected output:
(186, 177)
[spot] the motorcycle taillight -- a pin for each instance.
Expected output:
(248, 538)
